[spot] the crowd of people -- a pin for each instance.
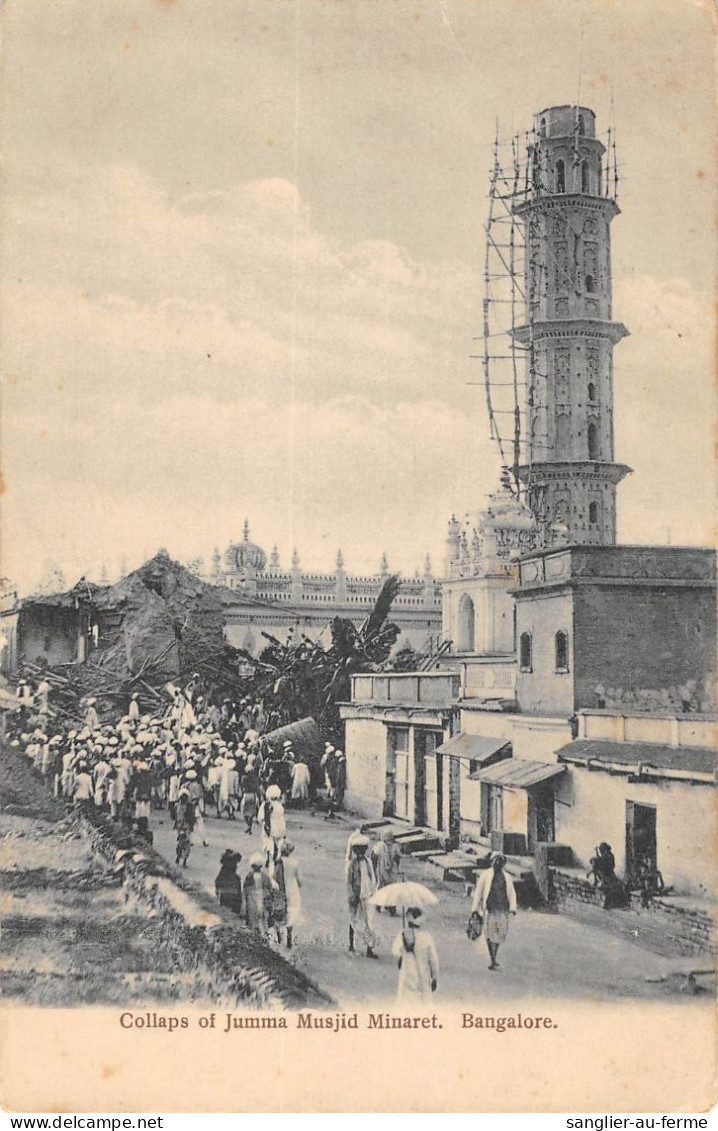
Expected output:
(194, 758)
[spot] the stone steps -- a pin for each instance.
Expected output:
(419, 842)
(454, 865)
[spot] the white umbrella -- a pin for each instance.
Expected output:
(404, 895)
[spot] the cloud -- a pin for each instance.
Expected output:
(664, 411)
(173, 365)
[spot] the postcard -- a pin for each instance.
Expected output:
(357, 620)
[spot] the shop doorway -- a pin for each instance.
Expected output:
(397, 772)
(541, 817)
(428, 768)
(492, 808)
(641, 841)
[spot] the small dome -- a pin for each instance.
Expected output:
(506, 512)
(244, 555)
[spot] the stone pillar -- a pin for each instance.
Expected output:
(454, 802)
(340, 584)
(296, 580)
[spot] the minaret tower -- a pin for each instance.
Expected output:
(570, 474)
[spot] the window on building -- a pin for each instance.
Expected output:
(561, 646)
(525, 652)
(560, 176)
(592, 440)
(591, 392)
(581, 125)
(589, 284)
(593, 514)
(466, 639)
(398, 739)
(584, 177)
(543, 127)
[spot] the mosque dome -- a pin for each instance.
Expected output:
(506, 512)
(244, 555)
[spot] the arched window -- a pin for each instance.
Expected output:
(525, 652)
(589, 284)
(466, 624)
(561, 646)
(560, 176)
(584, 177)
(593, 514)
(581, 126)
(592, 440)
(543, 127)
(591, 392)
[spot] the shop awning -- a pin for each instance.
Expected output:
(474, 747)
(518, 773)
(655, 755)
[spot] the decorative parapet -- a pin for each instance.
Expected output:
(488, 677)
(664, 565)
(434, 689)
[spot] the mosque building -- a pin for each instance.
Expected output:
(276, 601)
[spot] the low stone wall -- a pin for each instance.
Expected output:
(666, 927)
(241, 967)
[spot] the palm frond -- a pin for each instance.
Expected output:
(382, 606)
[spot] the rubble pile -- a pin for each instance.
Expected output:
(170, 620)
(159, 624)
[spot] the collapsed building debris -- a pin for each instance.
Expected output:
(159, 623)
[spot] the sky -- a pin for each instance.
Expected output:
(242, 250)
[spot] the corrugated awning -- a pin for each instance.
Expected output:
(657, 755)
(474, 747)
(518, 773)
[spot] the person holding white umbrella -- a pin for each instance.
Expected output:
(413, 947)
(417, 959)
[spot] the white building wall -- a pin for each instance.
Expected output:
(591, 807)
(493, 612)
(366, 742)
(536, 739)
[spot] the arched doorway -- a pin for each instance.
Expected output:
(466, 624)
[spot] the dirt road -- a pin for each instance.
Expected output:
(545, 954)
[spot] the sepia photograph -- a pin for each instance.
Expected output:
(358, 594)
